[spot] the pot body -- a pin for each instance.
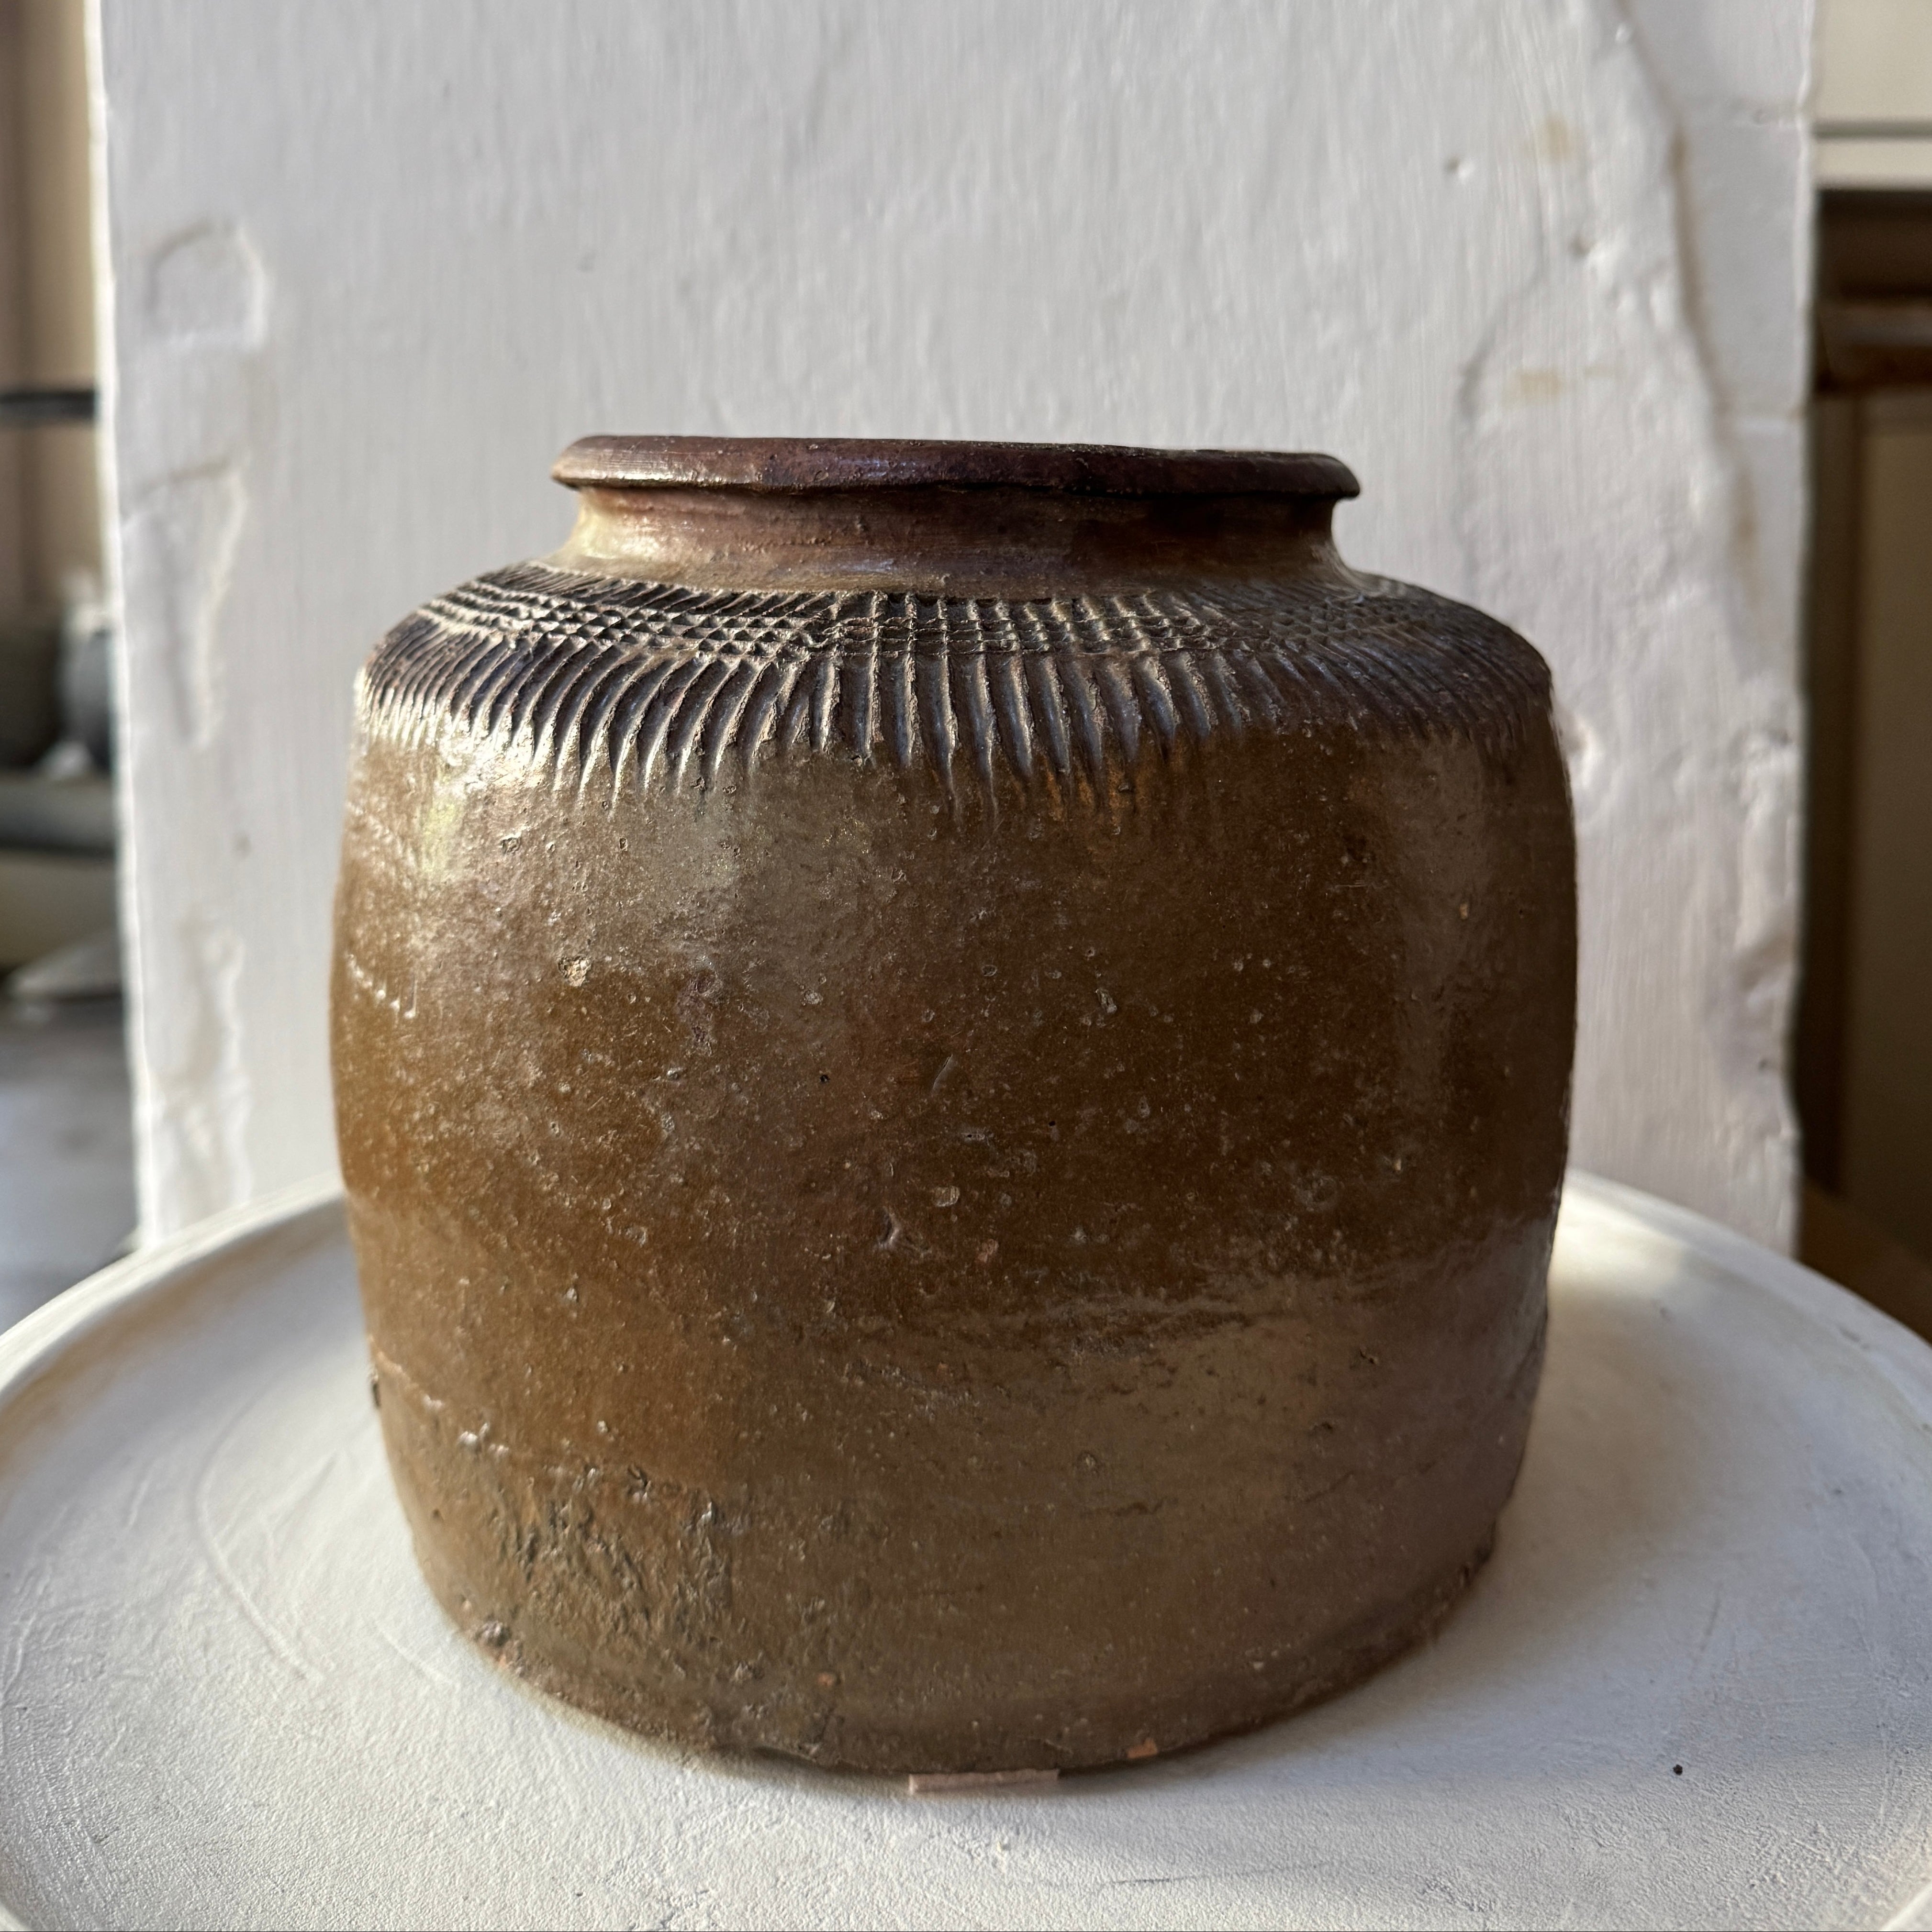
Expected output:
(953, 1181)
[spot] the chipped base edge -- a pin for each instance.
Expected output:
(928, 1783)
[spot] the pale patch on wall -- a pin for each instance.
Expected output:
(194, 1119)
(188, 422)
(179, 540)
(205, 288)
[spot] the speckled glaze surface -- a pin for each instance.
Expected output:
(951, 1064)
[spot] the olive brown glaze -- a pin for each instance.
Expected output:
(952, 1064)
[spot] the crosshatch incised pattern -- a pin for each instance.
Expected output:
(661, 686)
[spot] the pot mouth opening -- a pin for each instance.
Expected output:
(801, 463)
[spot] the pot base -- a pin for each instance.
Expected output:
(742, 1624)
(1341, 1664)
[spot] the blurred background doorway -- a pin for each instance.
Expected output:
(1862, 1056)
(67, 1199)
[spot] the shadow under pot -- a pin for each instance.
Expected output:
(952, 1064)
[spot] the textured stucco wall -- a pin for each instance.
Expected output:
(1535, 270)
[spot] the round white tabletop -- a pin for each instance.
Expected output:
(1694, 1686)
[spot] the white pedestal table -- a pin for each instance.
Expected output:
(226, 1697)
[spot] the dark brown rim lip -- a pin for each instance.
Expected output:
(852, 462)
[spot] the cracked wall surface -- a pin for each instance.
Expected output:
(1535, 267)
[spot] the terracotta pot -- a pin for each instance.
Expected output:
(952, 1064)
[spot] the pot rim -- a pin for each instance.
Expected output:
(782, 463)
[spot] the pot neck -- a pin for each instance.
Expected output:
(942, 540)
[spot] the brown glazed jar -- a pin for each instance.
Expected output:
(952, 1063)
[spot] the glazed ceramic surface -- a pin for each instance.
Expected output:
(951, 1064)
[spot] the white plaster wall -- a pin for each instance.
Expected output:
(1534, 267)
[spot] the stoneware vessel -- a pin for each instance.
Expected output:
(952, 1063)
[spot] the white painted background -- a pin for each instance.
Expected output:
(1534, 267)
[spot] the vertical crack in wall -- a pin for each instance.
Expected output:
(1593, 430)
(1756, 1002)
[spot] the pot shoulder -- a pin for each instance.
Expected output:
(668, 686)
